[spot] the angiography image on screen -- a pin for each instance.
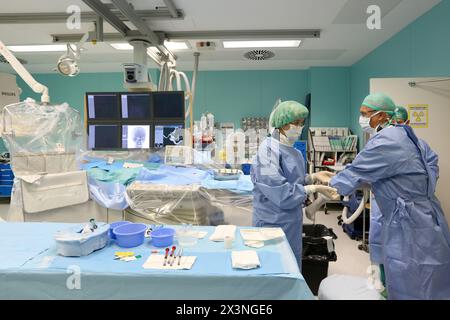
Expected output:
(168, 135)
(136, 136)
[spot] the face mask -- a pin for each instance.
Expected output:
(293, 133)
(364, 122)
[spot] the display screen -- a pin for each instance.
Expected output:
(103, 106)
(104, 137)
(136, 106)
(168, 104)
(168, 135)
(135, 136)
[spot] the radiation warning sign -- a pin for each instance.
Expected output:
(418, 115)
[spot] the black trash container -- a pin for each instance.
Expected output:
(317, 253)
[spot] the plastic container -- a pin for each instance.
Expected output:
(115, 225)
(187, 237)
(130, 235)
(317, 253)
(162, 237)
(71, 243)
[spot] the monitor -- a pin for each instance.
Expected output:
(104, 137)
(168, 105)
(136, 106)
(168, 135)
(135, 136)
(103, 106)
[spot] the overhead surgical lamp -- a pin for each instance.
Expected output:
(68, 63)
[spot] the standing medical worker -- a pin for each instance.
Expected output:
(279, 176)
(415, 238)
(400, 117)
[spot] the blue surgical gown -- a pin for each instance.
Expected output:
(278, 175)
(376, 218)
(415, 236)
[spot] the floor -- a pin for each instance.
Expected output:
(350, 260)
(4, 206)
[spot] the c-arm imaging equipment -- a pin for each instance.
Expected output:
(24, 74)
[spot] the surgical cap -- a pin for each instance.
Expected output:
(287, 112)
(400, 113)
(380, 102)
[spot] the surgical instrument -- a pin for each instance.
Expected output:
(165, 257)
(179, 255)
(172, 254)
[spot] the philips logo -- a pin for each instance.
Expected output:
(9, 94)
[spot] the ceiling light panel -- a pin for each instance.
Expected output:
(121, 46)
(38, 48)
(176, 45)
(262, 44)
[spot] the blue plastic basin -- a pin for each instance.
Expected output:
(114, 225)
(162, 237)
(130, 235)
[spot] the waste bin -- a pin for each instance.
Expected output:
(318, 251)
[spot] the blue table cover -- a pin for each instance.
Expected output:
(31, 269)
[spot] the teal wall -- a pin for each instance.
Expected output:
(330, 97)
(229, 95)
(72, 89)
(422, 49)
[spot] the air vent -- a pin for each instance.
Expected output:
(3, 60)
(258, 55)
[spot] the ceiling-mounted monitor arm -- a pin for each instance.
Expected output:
(145, 33)
(24, 74)
(155, 39)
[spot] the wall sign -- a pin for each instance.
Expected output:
(418, 115)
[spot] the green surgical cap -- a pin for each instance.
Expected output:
(380, 102)
(400, 113)
(287, 112)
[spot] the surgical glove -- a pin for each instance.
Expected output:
(325, 190)
(322, 177)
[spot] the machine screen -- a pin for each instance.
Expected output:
(136, 106)
(168, 105)
(103, 106)
(103, 137)
(135, 136)
(168, 135)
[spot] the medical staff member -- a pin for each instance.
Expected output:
(415, 238)
(279, 176)
(400, 117)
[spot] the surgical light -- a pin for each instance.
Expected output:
(67, 64)
(262, 44)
